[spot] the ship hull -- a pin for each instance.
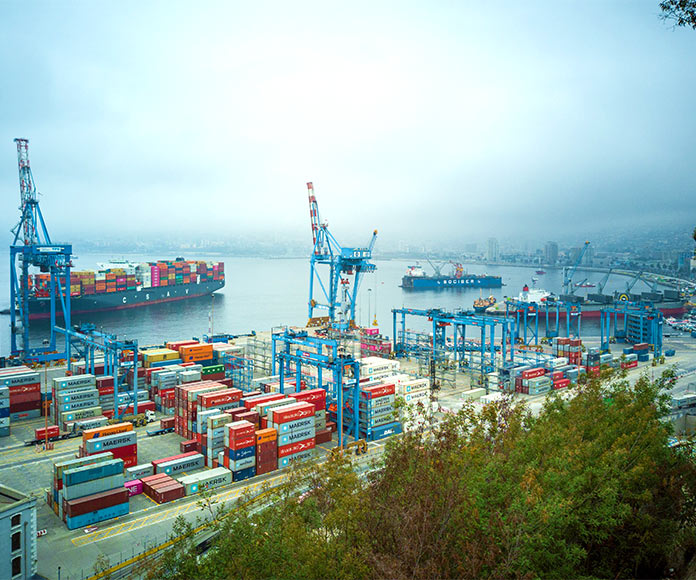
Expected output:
(441, 283)
(40, 308)
(594, 311)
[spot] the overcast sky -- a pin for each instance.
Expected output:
(456, 119)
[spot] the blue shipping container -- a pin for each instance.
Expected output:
(643, 357)
(97, 516)
(628, 350)
(243, 453)
(4, 412)
(243, 474)
(385, 431)
(90, 472)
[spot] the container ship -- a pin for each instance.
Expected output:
(122, 284)
(417, 279)
(668, 301)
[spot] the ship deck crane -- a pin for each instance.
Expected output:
(32, 247)
(437, 269)
(568, 273)
(631, 283)
(343, 263)
(603, 282)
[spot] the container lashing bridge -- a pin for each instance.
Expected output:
(337, 373)
(120, 359)
(526, 316)
(334, 294)
(32, 247)
(462, 348)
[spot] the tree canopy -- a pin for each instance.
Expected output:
(587, 488)
(681, 12)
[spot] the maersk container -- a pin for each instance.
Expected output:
(184, 464)
(297, 425)
(61, 383)
(210, 479)
(90, 472)
(93, 401)
(243, 453)
(97, 516)
(111, 442)
(86, 395)
(244, 474)
(288, 459)
(61, 466)
(293, 436)
(240, 464)
(93, 486)
(68, 416)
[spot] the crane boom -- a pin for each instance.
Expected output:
(568, 273)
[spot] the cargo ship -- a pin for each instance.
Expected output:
(669, 302)
(416, 279)
(122, 284)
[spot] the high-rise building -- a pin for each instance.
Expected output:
(18, 527)
(493, 250)
(551, 253)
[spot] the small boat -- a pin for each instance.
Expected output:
(541, 272)
(480, 304)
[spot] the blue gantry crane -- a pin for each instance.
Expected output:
(32, 247)
(343, 263)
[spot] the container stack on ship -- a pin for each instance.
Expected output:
(121, 285)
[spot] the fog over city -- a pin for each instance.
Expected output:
(426, 120)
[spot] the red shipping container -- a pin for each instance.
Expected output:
(239, 429)
(323, 436)
(561, 384)
(97, 501)
(251, 416)
(377, 391)
(533, 373)
(315, 396)
(331, 426)
(20, 389)
(266, 467)
(19, 398)
(103, 391)
(130, 461)
(219, 398)
(249, 405)
(167, 423)
(296, 447)
(53, 431)
(24, 407)
(171, 458)
(248, 441)
(168, 494)
(227, 382)
(294, 411)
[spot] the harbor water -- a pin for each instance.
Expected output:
(261, 293)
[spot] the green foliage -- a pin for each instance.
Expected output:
(682, 13)
(583, 489)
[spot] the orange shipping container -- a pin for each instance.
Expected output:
(109, 430)
(266, 435)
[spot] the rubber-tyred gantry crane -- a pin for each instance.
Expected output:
(345, 269)
(32, 247)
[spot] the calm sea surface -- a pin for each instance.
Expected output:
(262, 293)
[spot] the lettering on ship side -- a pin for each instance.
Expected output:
(187, 290)
(124, 299)
(147, 296)
(167, 293)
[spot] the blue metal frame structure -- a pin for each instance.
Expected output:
(240, 369)
(87, 340)
(342, 262)
(526, 317)
(459, 321)
(37, 250)
(323, 354)
(641, 322)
